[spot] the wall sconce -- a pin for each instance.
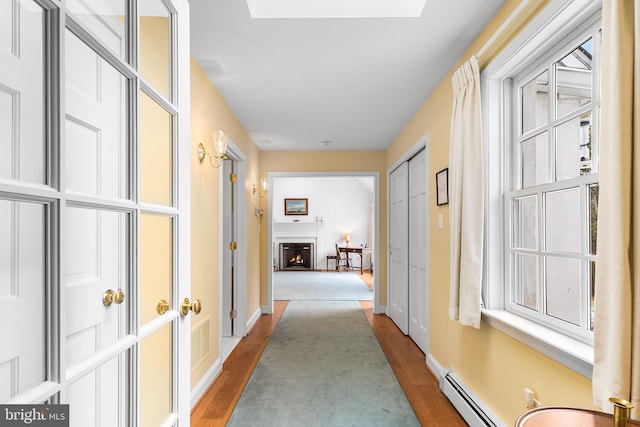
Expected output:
(346, 238)
(263, 190)
(220, 147)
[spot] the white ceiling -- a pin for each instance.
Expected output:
(355, 82)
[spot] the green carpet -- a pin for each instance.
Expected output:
(319, 286)
(323, 367)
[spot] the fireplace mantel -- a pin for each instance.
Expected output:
(296, 229)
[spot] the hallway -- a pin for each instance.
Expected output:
(405, 358)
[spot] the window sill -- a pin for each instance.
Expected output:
(573, 354)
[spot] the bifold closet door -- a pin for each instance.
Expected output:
(418, 251)
(398, 247)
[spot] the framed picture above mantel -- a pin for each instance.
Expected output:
(296, 206)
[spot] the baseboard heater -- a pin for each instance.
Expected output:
(474, 412)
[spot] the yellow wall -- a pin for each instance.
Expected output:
(210, 112)
(330, 161)
(495, 366)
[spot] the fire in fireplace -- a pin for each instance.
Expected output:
(297, 256)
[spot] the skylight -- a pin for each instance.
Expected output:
(273, 9)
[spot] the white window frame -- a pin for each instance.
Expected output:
(554, 24)
(540, 191)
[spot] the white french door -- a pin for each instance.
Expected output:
(94, 209)
(24, 214)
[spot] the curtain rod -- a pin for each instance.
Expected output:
(502, 27)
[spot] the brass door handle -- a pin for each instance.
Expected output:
(109, 297)
(162, 307)
(118, 297)
(194, 306)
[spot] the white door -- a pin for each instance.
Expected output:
(23, 217)
(233, 205)
(229, 283)
(91, 208)
(398, 247)
(418, 251)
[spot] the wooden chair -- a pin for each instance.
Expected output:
(343, 260)
(335, 258)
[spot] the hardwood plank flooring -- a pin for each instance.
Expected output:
(406, 359)
(408, 363)
(217, 404)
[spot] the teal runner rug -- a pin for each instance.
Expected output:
(319, 286)
(323, 367)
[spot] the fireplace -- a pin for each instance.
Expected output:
(297, 256)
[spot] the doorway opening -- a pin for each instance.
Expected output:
(233, 298)
(339, 204)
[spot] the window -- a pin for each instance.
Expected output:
(552, 190)
(541, 118)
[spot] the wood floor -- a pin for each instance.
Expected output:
(408, 362)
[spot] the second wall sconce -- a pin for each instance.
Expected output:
(263, 189)
(220, 146)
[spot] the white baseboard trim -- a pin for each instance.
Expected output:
(253, 319)
(474, 411)
(436, 368)
(205, 382)
(380, 309)
(210, 376)
(228, 344)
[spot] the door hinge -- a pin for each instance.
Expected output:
(233, 246)
(233, 314)
(233, 177)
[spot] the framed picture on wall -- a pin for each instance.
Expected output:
(442, 187)
(296, 206)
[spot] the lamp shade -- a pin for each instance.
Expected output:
(220, 143)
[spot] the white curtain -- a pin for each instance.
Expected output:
(616, 370)
(466, 196)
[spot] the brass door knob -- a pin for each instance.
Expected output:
(107, 297)
(118, 297)
(194, 306)
(162, 307)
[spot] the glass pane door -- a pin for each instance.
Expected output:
(92, 201)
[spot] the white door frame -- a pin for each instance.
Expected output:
(240, 225)
(377, 307)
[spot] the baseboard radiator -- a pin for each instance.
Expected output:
(474, 412)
